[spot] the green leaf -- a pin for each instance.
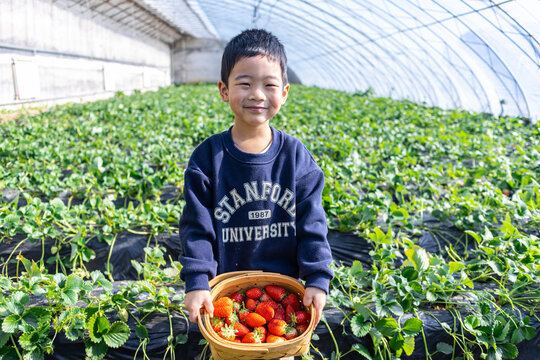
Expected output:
(8, 353)
(37, 316)
(181, 339)
(445, 348)
(12, 323)
(35, 354)
(362, 310)
(99, 279)
(509, 351)
(419, 258)
(97, 327)
(397, 341)
(409, 273)
(412, 326)
(70, 297)
(73, 282)
(29, 340)
(387, 326)
(477, 237)
(517, 336)
(96, 351)
(408, 345)
(72, 333)
(359, 327)
(141, 332)
(361, 349)
(471, 322)
(4, 337)
(117, 335)
(455, 266)
(529, 332)
(395, 308)
(356, 267)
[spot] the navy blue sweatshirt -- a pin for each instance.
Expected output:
(249, 211)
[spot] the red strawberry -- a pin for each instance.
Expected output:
(242, 314)
(276, 292)
(277, 327)
(227, 332)
(290, 333)
(302, 328)
(291, 299)
(217, 323)
(265, 310)
(279, 313)
(272, 303)
(231, 319)
(241, 330)
(290, 316)
(254, 293)
(274, 339)
(262, 330)
(302, 317)
(237, 297)
(252, 337)
(235, 306)
(265, 297)
(255, 320)
(251, 304)
(223, 307)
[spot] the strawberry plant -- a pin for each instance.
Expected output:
(81, 174)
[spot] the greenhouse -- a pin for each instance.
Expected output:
(410, 221)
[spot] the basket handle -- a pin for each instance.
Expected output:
(231, 274)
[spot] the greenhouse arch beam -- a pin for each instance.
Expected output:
(390, 55)
(307, 45)
(417, 41)
(448, 47)
(487, 63)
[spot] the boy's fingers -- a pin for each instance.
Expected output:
(308, 299)
(193, 315)
(209, 307)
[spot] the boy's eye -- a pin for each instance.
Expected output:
(244, 84)
(272, 85)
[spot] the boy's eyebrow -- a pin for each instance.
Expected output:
(242, 76)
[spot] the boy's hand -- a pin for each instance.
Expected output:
(317, 297)
(197, 299)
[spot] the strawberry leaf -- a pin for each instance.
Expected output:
(359, 327)
(117, 334)
(387, 326)
(412, 326)
(96, 351)
(97, 327)
(362, 350)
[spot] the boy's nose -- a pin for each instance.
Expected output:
(256, 93)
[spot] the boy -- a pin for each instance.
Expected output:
(253, 193)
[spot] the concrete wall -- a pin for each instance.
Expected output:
(197, 60)
(58, 51)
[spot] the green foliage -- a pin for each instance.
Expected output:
(93, 171)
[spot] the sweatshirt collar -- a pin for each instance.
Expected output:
(251, 158)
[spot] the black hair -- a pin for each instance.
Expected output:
(251, 43)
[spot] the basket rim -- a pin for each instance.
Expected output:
(214, 339)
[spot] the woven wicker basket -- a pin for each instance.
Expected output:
(226, 284)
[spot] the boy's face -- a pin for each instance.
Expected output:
(256, 91)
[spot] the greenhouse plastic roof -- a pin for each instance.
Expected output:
(473, 54)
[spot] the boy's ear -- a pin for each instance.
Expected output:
(223, 91)
(285, 93)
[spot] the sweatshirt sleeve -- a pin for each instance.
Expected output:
(197, 234)
(314, 254)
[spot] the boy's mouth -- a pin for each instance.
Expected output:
(256, 108)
